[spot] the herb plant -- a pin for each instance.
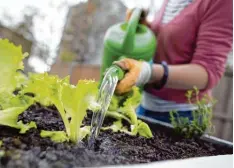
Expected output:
(202, 116)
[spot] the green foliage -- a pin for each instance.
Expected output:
(83, 98)
(142, 129)
(11, 106)
(117, 126)
(202, 116)
(71, 101)
(9, 117)
(56, 136)
(10, 61)
(124, 108)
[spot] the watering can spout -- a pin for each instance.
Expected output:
(129, 38)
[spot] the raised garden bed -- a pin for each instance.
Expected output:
(38, 106)
(30, 150)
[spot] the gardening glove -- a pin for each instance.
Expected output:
(142, 18)
(138, 73)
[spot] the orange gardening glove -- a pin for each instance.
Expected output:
(138, 73)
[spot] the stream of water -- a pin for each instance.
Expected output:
(105, 94)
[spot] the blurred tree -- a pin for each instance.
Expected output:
(85, 28)
(25, 27)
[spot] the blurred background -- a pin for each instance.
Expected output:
(65, 37)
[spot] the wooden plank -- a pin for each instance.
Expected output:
(230, 138)
(229, 108)
(218, 109)
(219, 116)
(85, 72)
(223, 111)
(219, 94)
(218, 130)
(61, 69)
(227, 131)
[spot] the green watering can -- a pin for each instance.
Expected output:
(130, 40)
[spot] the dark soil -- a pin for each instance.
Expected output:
(30, 150)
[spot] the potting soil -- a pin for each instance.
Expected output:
(31, 151)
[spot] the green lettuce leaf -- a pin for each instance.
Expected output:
(124, 108)
(84, 131)
(56, 136)
(126, 105)
(9, 117)
(142, 129)
(117, 126)
(48, 91)
(117, 115)
(71, 101)
(10, 61)
(8, 100)
(83, 98)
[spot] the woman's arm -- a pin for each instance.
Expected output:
(181, 76)
(214, 42)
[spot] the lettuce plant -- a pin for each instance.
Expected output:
(12, 105)
(10, 62)
(124, 108)
(71, 102)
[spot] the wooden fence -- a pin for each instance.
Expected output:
(223, 111)
(76, 71)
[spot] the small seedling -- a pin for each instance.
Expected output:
(202, 116)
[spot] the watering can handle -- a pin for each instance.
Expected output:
(129, 38)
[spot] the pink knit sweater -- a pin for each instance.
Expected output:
(201, 34)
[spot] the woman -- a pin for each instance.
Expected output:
(194, 38)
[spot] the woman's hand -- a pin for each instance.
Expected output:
(180, 76)
(138, 73)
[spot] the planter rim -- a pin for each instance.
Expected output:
(219, 161)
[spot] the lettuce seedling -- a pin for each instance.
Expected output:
(83, 98)
(71, 102)
(124, 108)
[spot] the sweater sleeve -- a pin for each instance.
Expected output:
(214, 38)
